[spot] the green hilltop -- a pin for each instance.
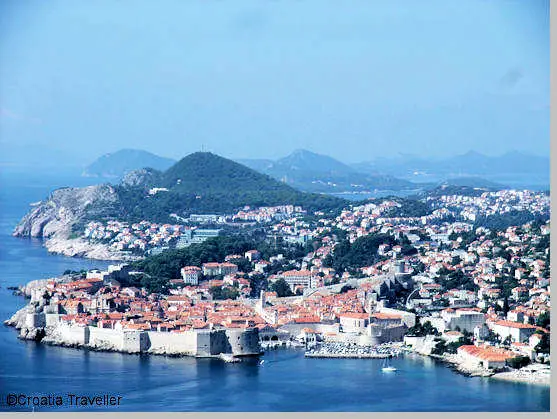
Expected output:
(206, 182)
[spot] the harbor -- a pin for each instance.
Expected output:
(346, 350)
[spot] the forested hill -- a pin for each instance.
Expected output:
(205, 182)
(206, 173)
(199, 183)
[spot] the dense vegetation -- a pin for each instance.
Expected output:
(363, 252)
(512, 218)
(409, 208)
(456, 279)
(518, 362)
(282, 288)
(204, 183)
(218, 184)
(424, 329)
(159, 269)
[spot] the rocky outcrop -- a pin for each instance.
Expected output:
(141, 178)
(18, 319)
(54, 217)
(84, 249)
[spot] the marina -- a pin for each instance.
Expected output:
(344, 350)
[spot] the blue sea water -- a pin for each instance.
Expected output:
(286, 381)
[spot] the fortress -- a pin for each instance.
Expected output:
(197, 342)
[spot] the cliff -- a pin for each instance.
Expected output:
(54, 218)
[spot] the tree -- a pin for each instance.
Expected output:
(518, 362)
(423, 329)
(544, 345)
(506, 306)
(363, 252)
(543, 320)
(440, 348)
(282, 288)
(244, 265)
(225, 293)
(492, 337)
(345, 288)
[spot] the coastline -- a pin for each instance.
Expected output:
(79, 248)
(517, 376)
(83, 249)
(48, 336)
(56, 335)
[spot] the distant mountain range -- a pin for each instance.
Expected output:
(512, 168)
(313, 172)
(116, 165)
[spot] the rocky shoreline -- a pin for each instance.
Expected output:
(517, 376)
(54, 218)
(84, 249)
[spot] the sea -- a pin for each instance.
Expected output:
(280, 380)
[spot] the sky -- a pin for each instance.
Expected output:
(355, 80)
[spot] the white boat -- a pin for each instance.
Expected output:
(229, 358)
(262, 361)
(387, 367)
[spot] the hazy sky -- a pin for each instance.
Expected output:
(354, 79)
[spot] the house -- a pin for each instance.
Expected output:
(190, 274)
(261, 265)
(515, 316)
(211, 269)
(308, 336)
(252, 255)
(386, 319)
(354, 322)
(519, 332)
(228, 268)
(72, 307)
(131, 291)
(486, 357)
(301, 278)
(463, 319)
(519, 292)
(214, 268)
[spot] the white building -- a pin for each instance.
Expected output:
(354, 322)
(519, 332)
(190, 274)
